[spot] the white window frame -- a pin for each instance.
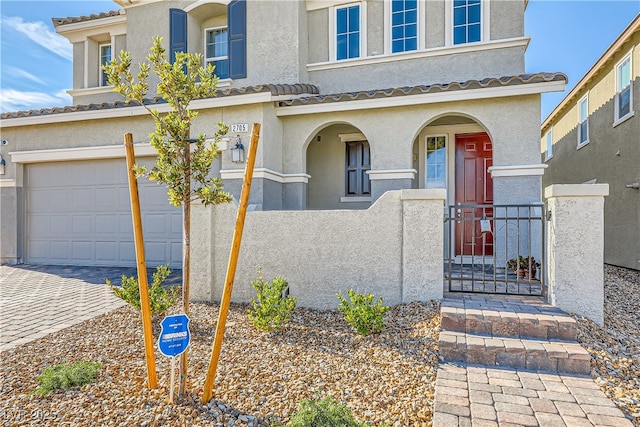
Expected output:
(583, 101)
(446, 159)
(485, 23)
(333, 13)
(388, 28)
(215, 58)
(549, 140)
(616, 118)
(100, 64)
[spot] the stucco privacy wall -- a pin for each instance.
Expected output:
(575, 238)
(393, 249)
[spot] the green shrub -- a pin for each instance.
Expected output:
(273, 307)
(362, 313)
(160, 299)
(323, 413)
(65, 376)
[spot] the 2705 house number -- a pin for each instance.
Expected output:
(240, 127)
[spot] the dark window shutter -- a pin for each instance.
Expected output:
(237, 19)
(357, 164)
(177, 32)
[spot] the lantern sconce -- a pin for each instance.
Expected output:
(2, 165)
(237, 151)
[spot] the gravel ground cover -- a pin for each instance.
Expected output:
(615, 348)
(386, 379)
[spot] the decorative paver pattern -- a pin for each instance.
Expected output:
(512, 361)
(487, 396)
(39, 300)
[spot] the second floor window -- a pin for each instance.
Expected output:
(217, 51)
(467, 21)
(105, 59)
(583, 122)
(623, 89)
(550, 144)
(348, 32)
(404, 25)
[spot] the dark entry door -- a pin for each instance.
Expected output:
(474, 186)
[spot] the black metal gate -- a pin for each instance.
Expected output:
(497, 249)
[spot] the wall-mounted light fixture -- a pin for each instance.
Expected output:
(237, 151)
(2, 165)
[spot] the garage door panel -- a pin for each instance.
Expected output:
(79, 212)
(82, 251)
(60, 250)
(59, 225)
(82, 225)
(107, 252)
(83, 198)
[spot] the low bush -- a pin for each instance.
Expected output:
(64, 377)
(160, 299)
(323, 413)
(272, 307)
(362, 313)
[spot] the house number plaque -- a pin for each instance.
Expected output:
(239, 128)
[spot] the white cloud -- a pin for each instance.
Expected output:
(40, 33)
(22, 74)
(15, 100)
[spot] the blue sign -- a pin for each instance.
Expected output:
(174, 336)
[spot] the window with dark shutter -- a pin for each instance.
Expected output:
(177, 32)
(237, 23)
(357, 164)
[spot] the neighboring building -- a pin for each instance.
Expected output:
(593, 136)
(355, 98)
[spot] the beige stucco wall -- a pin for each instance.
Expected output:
(575, 242)
(313, 251)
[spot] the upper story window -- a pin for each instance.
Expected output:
(467, 21)
(404, 25)
(583, 121)
(549, 151)
(105, 59)
(217, 50)
(436, 162)
(624, 95)
(348, 35)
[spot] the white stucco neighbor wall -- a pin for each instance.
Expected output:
(575, 245)
(393, 250)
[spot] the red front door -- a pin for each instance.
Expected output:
(474, 186)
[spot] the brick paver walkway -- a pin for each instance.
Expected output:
(514, 361)
(39, 300)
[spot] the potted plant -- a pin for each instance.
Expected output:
(524, 266)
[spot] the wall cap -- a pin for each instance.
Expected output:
(423, 194)
(576, 190)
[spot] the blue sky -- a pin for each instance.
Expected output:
(35, 63)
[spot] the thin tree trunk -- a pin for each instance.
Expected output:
(186, 265)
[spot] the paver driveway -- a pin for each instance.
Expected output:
(38, 300)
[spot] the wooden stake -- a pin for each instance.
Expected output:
(231, 267)
(141, 264)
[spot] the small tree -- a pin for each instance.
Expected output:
(183, 164)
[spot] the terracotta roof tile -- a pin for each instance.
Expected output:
(274, 89)
(93, 16)
(521, 79)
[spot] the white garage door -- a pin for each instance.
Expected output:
(79, 213)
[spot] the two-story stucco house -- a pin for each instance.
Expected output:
(355, 98)
(593, 135)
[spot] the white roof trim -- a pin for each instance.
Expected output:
(427, 98)
(79, 153)
(200, 104)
